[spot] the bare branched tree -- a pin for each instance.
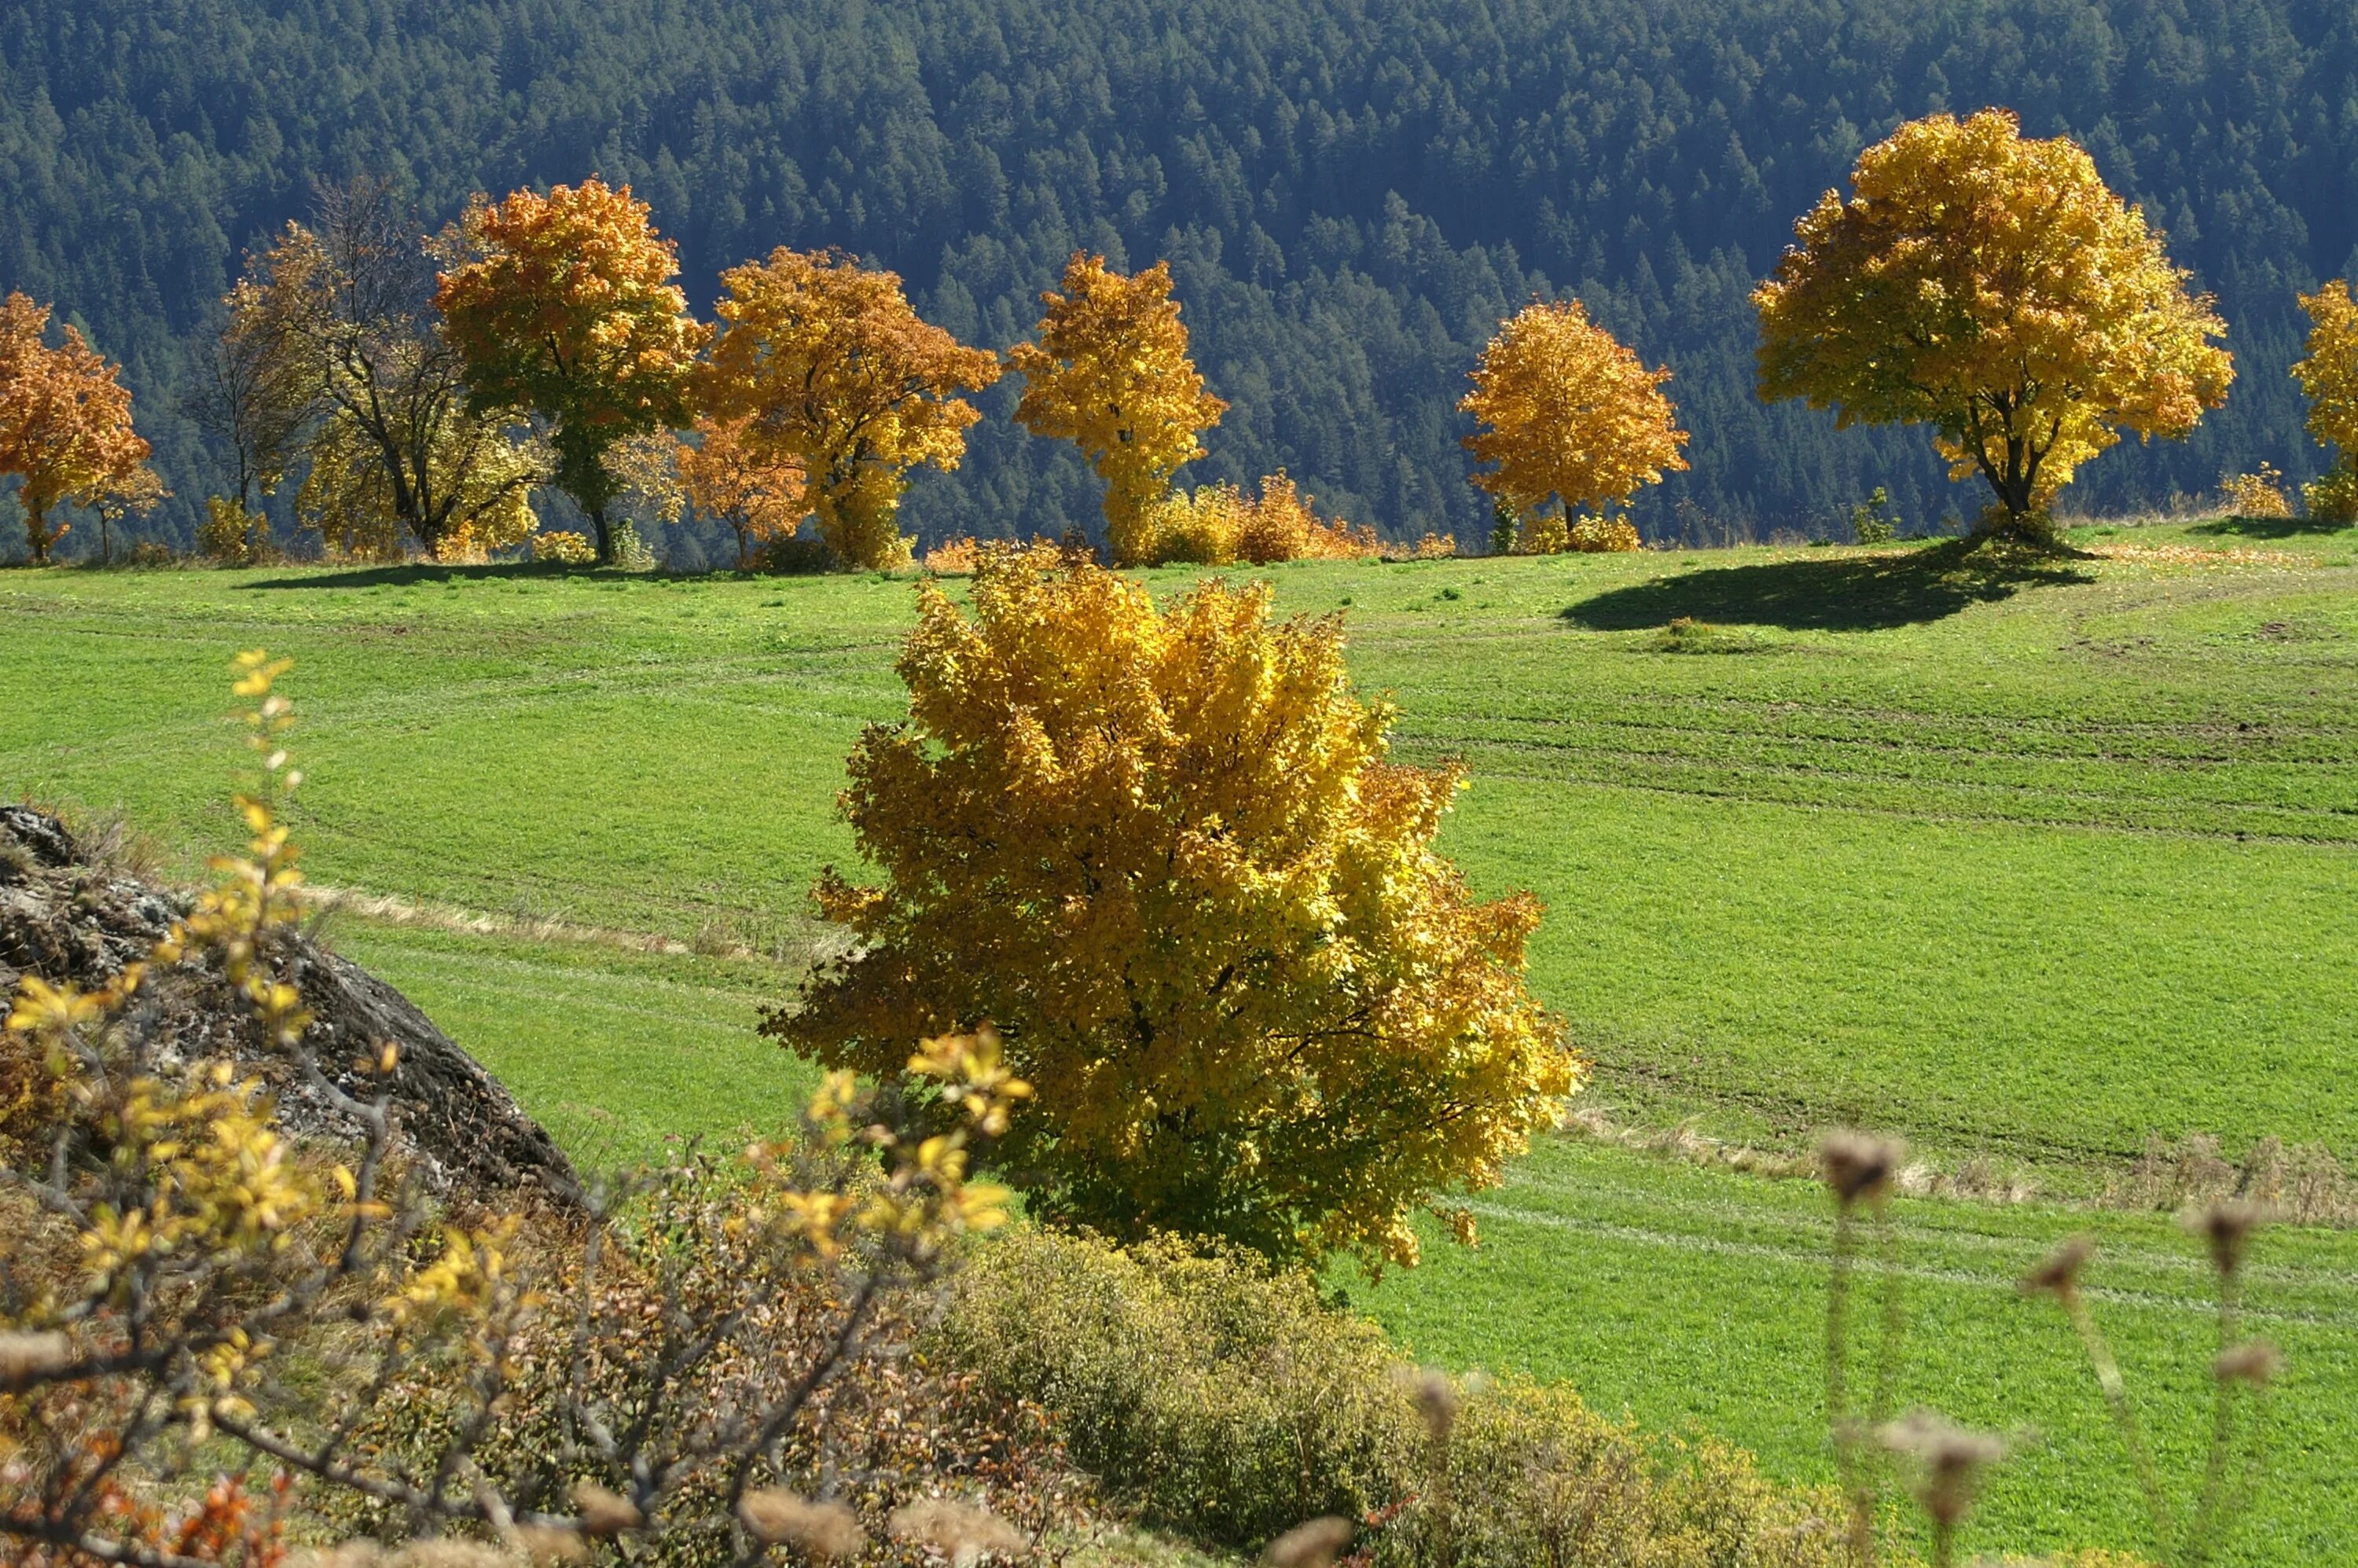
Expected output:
(344, 332)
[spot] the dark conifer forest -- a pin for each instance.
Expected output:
(1351, 194)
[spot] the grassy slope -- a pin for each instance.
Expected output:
(2033, 862)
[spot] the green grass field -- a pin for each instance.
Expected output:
(2029, 862)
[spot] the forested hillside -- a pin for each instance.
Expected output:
(1351, 194)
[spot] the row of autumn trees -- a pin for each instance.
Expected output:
(1984, 284)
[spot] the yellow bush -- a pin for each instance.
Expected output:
(2333, 496)
(1200, 528)
(953, 557)
(1278, 526)
(1543, 534)
(559, 545)
(231, 536)
(1604, 535)
(2259, 494)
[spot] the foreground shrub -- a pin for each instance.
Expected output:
(191, 1290)
(1163, 850)
(1223, 1400)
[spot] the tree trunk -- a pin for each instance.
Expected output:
(37, 534)
(605, 536)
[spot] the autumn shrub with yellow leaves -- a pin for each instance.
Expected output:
(666, 1369)
(2257, 494)
(1220, 525)
(234, 537)
(1164, 850)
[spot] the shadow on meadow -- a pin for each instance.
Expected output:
(1833, 593)
(406, 574)
(2269, 527)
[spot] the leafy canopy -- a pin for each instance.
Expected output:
(1991, 286)
(563, 305)
(1567, 412)
(65, 426)
(832, 370)
(760, 497)
(1163, 849)
(2329, 373)
(1111, 373)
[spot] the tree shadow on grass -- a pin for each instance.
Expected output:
(405, 574)
(2269, 527)
(1834, 593)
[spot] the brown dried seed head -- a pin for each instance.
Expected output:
(1315, 1543)
(604, 1513)
(1950, 1456)
(778, 1517)
(1858, 1166)
(2059, 1275)
(2255, 1362)
(25, 1358)
(1436, 1401)
(960, 1530)
(2226, 1226)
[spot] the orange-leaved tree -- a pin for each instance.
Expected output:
(1568, 414)
(1163, 850)
(563, 306)
(759, 495)
(2328, 373)
(832, 369)
(1991, 286)
(65, 426)
(1110, 373)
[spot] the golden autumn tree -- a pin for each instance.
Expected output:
(1110, 373)
(1991, 286)
(481, 478)
(65, 426)
(1163, 850)
(2328, 373)
(563, 305)
(760, 497)
(830, 368)
(1567, 414)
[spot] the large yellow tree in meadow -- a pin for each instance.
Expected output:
(65, 426)
(831, 370)
(1568, 414)
(1111, 374)
(564, 306)
(1163, 848)
(1990, 285)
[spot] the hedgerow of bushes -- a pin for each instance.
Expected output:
(1221, 1399)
